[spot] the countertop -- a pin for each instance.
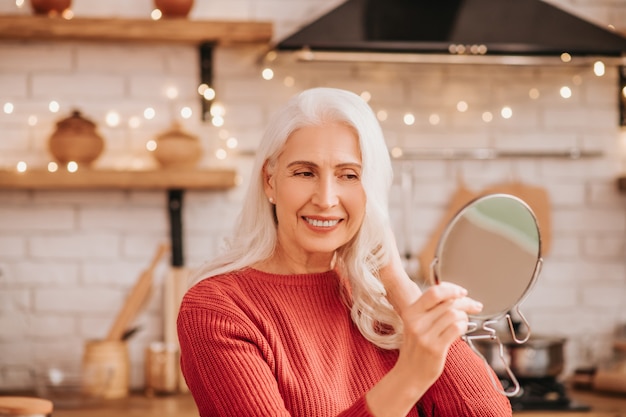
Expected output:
(182, 405)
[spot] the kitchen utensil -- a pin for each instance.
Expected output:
(174, 8)
(492, 247)
(538, 357)
(161, 371)
(50, 7)
(136, 298)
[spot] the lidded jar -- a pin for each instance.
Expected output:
(76, 139)
(176, 148)
(50, 7)
(174, 8)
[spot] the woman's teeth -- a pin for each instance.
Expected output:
(321, 223)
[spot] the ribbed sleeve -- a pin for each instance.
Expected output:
(258, 344)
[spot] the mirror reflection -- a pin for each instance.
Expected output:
(492, 247)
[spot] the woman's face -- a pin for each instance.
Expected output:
(316, 187)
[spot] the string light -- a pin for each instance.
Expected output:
(487, 116)
(186, 112)
(19, 3)
(112, 118)
(506, 112)
(267, 74)
(67, 14)
(72, 166)
(149, 113)
(434, 119)
(54, 106)
(231, 143)
(151, 145)
(366, 96)
(32, 120)
(408, 119)
(598, 68)
(134, 122)
(21, 166)
(565, 92)
(382, 115)
(533, 93)
(156, 14)
(171, 92)
(565, 57)
(462, 106)
(53, 167)
(396, 152)
(221, 154)
(8, 108)
(289, 81)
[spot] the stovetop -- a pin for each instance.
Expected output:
(544, 393)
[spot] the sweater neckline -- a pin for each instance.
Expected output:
(311, 279)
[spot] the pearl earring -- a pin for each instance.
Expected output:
(271, 200)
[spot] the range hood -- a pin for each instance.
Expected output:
(453, 28)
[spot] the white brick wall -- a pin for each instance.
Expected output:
(67, 259)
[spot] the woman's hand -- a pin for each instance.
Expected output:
(431, 325)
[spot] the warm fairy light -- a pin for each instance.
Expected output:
(202, 88)
(53, 167)
(381, 115)
(209, 93)
(19, 3)
(134, 122)
(231, 143)
(487, 116)
(151, 145)
(32, 120)
(221, 154)
(506, 112)
(267, 74)
(112, 118)
(271, 56)
(21, 166)
(186, 112)
(217, 109)
(408, 119)
(72, 166)
(624, 92)
(434, 119)
(156, 14)
(223, 134)
(8, 108)
(366, 96)
(54, 106)
(533, 93)
(565, 92)
(149, 113)
(577, 80)
(171, 92)
(598, 68)
(462, 106)
(217, 121)
(565, 57)
(289, 81)
(67, 14)
(396, 152)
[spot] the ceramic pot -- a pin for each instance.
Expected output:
(75, 139)
(174, 8)
(177, 148)
(50, 6)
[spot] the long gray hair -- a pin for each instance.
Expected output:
(357, 262)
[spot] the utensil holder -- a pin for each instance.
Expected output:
(109, 360)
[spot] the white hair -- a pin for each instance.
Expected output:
(357, 262)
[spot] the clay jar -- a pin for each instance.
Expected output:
(174, 8)
(50, 7)
(75, 139)
(177, 149)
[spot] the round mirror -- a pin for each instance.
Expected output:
(492, 247)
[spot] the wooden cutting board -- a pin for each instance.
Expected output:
(536, 197)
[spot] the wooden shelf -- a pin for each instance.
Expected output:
(200, 179)
(180, 30)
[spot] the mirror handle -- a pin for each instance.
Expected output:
(516, 385)
(512, 327)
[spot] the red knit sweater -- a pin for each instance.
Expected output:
(258, 344)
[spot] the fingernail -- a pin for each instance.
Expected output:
(478, 304)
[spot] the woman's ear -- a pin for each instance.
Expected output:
(268, 181)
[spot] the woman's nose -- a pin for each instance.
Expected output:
(326, 193)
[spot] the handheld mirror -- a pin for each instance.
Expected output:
(492, 248)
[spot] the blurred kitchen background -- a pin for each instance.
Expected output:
(69, 258)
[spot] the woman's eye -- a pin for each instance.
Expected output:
(303, 174)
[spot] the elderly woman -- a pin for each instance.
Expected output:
(308, 312)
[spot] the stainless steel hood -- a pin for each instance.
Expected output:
(455, 28)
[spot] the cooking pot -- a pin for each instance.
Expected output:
(538, 357)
